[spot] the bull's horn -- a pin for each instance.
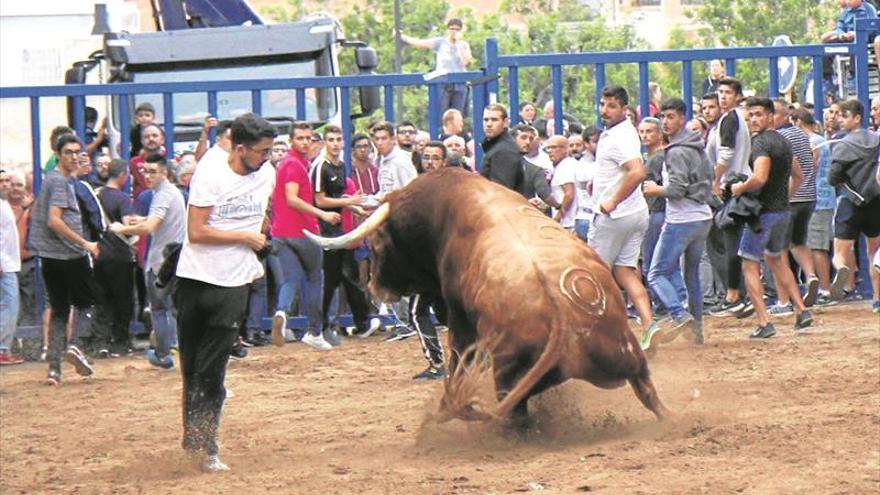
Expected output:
(373, 222)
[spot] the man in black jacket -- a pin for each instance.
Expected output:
(853, 164)
(501, 158)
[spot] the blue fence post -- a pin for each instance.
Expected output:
(300, 104)
(257, 101)
(730, 66)
(125, 136)
(600, 83)
(345, 110)
(513, 94)
(79, 117)
(212, 110)
(558, 107)
(860, 52)
(479, 91)
(389, 103)
(818, 96)
(773, 83)
(168, 112)
(644, 96)
(490, 60)
(687, 88)
(37, 166)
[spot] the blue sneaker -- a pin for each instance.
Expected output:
(166, 363)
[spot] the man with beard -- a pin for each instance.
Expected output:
(501, 157)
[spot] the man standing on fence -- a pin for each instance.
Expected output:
(227, 207)
(453, 54)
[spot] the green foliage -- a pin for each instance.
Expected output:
(291, 11)
(741, 23)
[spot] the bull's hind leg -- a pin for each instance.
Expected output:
(645, 391)
(462, 335)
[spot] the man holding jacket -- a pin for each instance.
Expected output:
(687, 177)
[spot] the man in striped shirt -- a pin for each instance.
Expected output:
(802, 199)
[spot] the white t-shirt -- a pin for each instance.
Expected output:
(213, 157)
(583, 184)
(10, 261)
(238, 203)
(617, 145)
(565, 173)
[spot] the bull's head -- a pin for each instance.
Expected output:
(383, 255)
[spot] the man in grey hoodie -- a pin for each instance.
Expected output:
(687, 178)
(853, 165)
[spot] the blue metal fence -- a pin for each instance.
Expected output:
(484, 86)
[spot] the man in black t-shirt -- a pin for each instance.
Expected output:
(340, 267)
(115, 274)
(771, 164)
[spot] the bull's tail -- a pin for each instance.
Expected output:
(548, 358)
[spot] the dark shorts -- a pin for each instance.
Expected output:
(770, 241)
(800, 222)
(851, 220)
(69, 283)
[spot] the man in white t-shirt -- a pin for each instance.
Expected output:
(227, 206)
(621, 213)
(562, 183)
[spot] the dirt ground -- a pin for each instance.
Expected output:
(794, 414)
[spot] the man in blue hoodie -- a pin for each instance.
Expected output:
(853, 165)
(687, 177)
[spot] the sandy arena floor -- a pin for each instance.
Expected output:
(795, 414)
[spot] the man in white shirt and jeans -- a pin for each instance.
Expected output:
(562, 185)
(621, 215)
(227, 206)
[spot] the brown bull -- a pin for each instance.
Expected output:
(509, 276)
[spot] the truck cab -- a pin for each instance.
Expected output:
(307, 48)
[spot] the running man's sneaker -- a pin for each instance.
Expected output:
(726, 308)
(7, 359)
(54, 378)
(747, 309)
(75, 357)
(876, 307)
(671, 329)
(812, 291)
(764, 332)
(804, 320)
(375, 324)
(316, 342)
(697, 335)
(852, 296)
(431, 373)
(780, 310)
(332, 337)
(44, 353)
(825, 300)
(652, 330)
(166, 363)
(839, 283)
(400, 332)
(213, 464)
(238, 351)
(279, 324)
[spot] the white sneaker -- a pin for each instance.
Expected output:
(279, 325)
(316, 341)
(289, 336)
(375, 323)
(213, 464)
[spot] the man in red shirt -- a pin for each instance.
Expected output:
(293, 211)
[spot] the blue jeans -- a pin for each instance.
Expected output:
(8, 308)
(677, 239)
(301, 258)
(649, 246)
(582, 228)
(258, 304)
(162, 315)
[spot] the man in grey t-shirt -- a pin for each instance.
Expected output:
(166, 224)
(56, 236)
(453, 54)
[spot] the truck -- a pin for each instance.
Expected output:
(222, 41)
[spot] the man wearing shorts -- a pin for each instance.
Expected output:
(853, 168)
(621, 216)
(771, 163)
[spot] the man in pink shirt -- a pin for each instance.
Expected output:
(292, 211)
